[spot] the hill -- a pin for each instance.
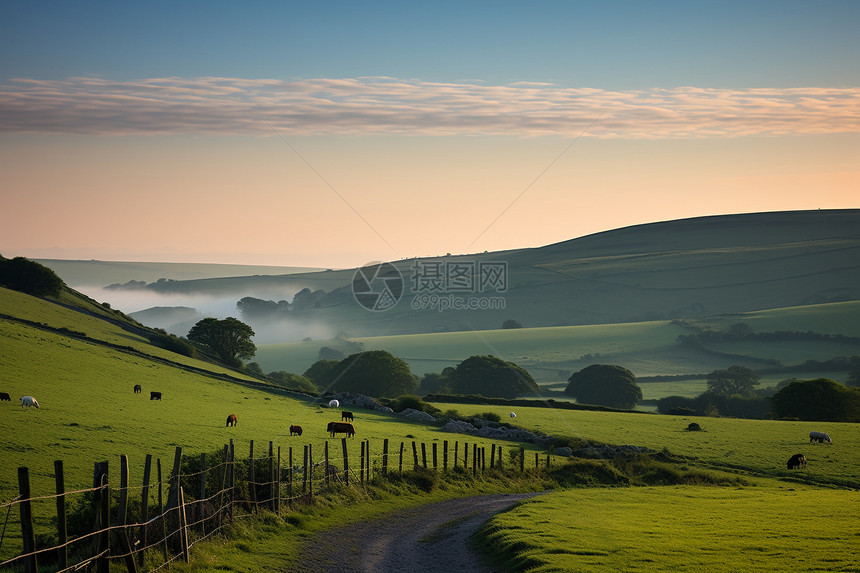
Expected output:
(682, 269)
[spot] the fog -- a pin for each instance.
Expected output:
(265, 332)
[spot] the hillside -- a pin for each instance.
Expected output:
(689, 268)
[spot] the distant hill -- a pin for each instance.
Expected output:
(686, 268)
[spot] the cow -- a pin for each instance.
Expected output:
(341, 428)
(344, 415)
(797, 461)
(29, 401)
(231, 420)
(819, 437)
(137, 389)
(4, 397)
(295, 430)
(155, 395)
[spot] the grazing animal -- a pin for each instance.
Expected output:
(820, 437)
(231, 420)
(295, 430)
(137, 389)
(796, 461)
(4, 397)
(344, 415)
(29, 401)
(155, 395)
(341, 428)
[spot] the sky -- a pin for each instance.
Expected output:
(333, 134)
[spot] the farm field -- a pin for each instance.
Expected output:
(766, 528)
(761, 446)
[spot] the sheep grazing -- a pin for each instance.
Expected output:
(29, 401)
(796, 461)
(333, 404)
(820, 437)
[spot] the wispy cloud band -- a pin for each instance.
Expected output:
(378, 105)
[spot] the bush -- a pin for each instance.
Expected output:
(173, 344)
(29, 277)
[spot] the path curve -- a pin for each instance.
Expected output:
(424, 539)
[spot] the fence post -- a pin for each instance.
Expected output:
(326, 463)
(367, 452)
(501, 463)
(222, 487)
(474, 459)
(445, 455)
(400, 466)
(62, 552)
(144, 504)
(522, 459)
(465, 456)
(161, 510)
(173, 494)
(102, 511)
(201, 503)
(345, 462)
(31, 564)
(311, 477)
(456, 451)
(547, 461)
(122, 515)
(483, 458)
(305, 472)
(361, 464)
(252, 480)
(278, 485)
(414, 456)
(290, 479)
(434, 456)
(385, 457)
(271, 485)
(183, 525)
(492, 456)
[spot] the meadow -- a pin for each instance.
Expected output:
(765, 527)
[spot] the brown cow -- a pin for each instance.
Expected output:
(295, 430)
(797, 461)
(341, 428)
(231, 420)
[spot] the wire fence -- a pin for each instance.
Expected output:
(149, 526)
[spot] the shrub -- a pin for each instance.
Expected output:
(29, 277)
(173, 344)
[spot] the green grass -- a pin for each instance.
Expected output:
(760, 446)
(765, 528)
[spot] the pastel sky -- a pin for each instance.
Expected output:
(332, 134)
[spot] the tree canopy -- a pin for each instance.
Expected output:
(733, 380)
(29, 277)
(228, 339)
(373, 372)
(491, 377)
(819, 399)
(605, 385)
(321, 372)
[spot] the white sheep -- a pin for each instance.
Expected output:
(333, 404)
(29, 401)
(819, 437)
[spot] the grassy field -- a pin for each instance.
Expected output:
(764, 528)
(761, 446)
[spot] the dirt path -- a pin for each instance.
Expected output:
(428, 538)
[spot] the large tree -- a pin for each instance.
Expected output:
(228, 339)
(30, 277)
(604, 385)
(490, 376)
(819, 399)
(375, 373)
(733, 380)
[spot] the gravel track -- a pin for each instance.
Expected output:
(429, 538)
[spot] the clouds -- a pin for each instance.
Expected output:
(384, 105)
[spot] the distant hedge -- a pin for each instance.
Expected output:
(29, 277)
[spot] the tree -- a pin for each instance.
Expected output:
(820, 399)
(733, 380)
(295, 382)
(375, 373)
(321, 372)
(228, 339)
(432, 383)
(29, 277)
(605, 385)
(491, 377)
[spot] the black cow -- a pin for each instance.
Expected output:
(341, 428)
(295, 430)
(155, 395)
(797, 461)
(344, 415)
(137, 389)
(4, 397)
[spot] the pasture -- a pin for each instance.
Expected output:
(693, 528)
(759, 446)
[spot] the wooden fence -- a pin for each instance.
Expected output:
(136, 526)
